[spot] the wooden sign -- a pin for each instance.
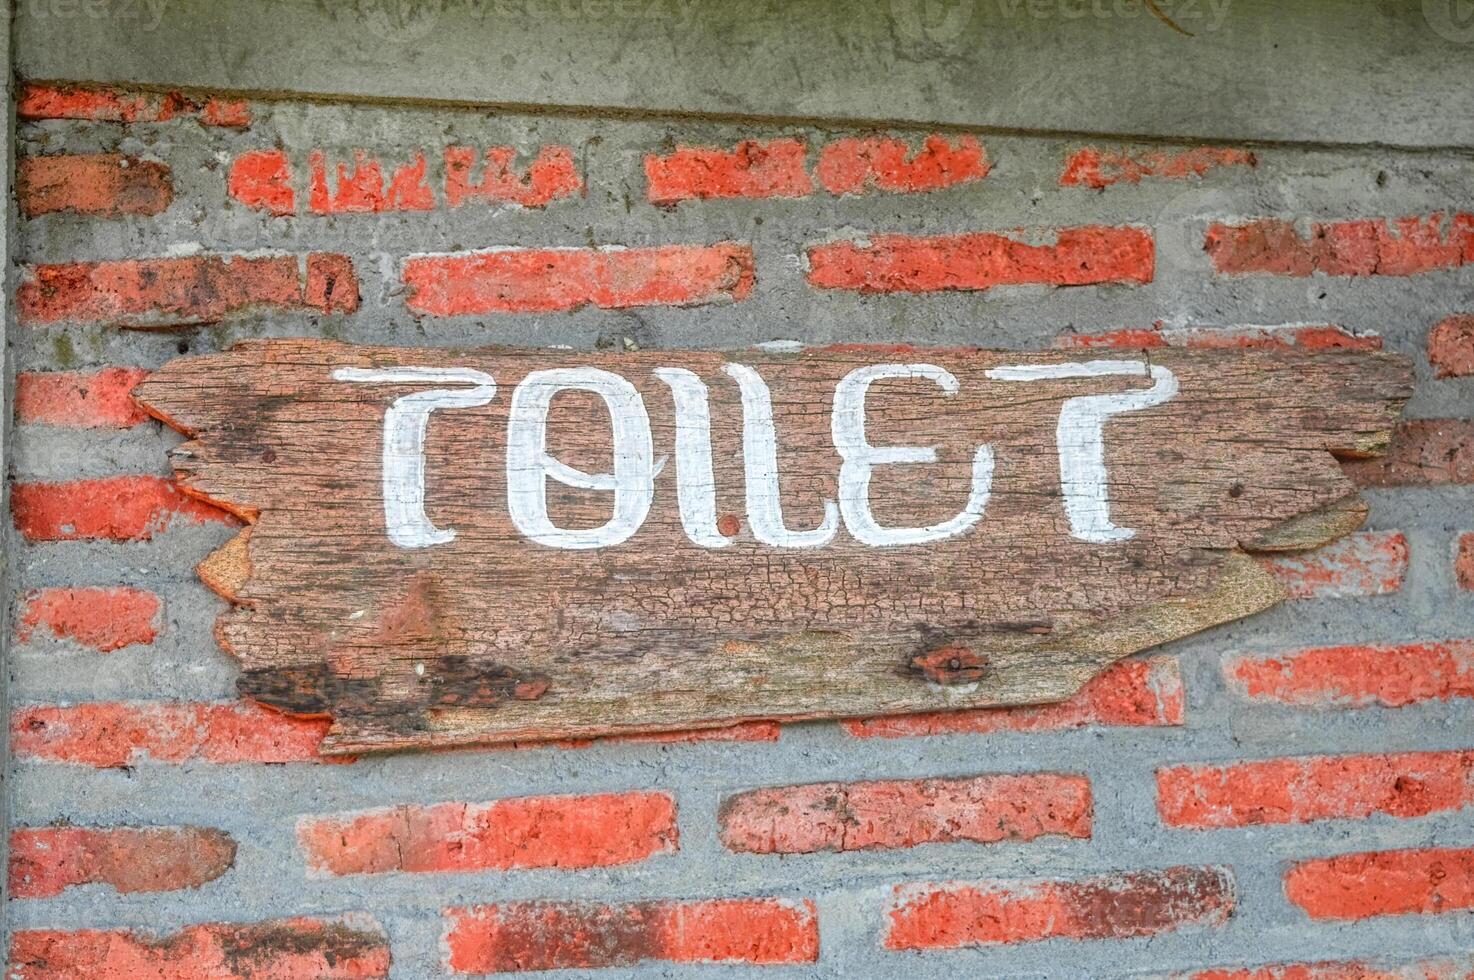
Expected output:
(451, 546)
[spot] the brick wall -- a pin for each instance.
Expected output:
(1287, 797)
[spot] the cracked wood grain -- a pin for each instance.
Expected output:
(492, 637)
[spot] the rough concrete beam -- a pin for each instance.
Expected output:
(1221, 69)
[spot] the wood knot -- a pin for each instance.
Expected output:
(950, 665)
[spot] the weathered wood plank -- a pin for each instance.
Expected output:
(474, 595)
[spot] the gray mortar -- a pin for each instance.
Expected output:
(1417, 99)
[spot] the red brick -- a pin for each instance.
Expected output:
(1122, 338)
(1092, 167)
(364, 190)
(1144, 903)
(80, 400)
(1424, 453)
(108, 185)
(331, 283)
(1345, 248)
(908, 264)
(861, 164)
(110, 734)
(1357, 676)
(408, 189)
(1145, 693)
(518, 280)
(1451, 347)
(1358, 886)
(103, 619)
(1366, 563)
(229, 113)
(183, 291)
(551, 176)
(351, 948)
(518, 936)
(1278, 791)
(1443, 969)
(1464, 561)
(40, 100)
(905, 813)
(1298, 336)
(45, 101)
(1286, 336)
(751, 169)
(262, 179)
(532, 832)
(119, 508)
(46, 860)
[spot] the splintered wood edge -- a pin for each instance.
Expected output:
(1312, 529)
(226, 570)
(246, 513)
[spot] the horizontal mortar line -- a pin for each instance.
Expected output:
(718, 882)
(946, 756)
(656, 114)
(408, 890)
(361, 788)
(378, 893)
